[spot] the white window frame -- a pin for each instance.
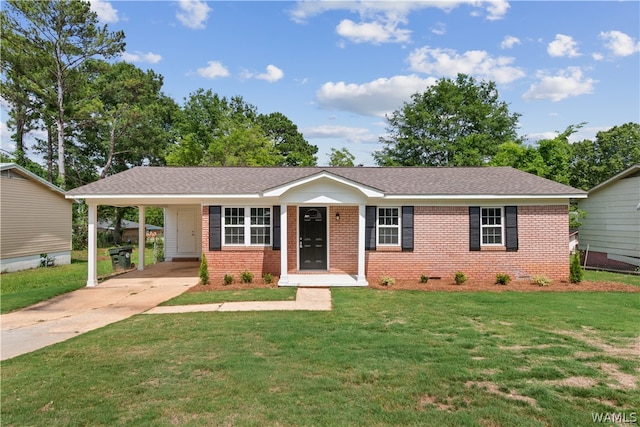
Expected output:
(484, 226)
(247, 226)
(398, 227)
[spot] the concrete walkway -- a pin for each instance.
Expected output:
(312, 299)
(86, 309)
(118, 298)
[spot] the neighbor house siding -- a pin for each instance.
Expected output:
(441, 247)
(612, 228)
(34, 220)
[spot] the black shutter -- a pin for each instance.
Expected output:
(276, 228)
(511, 229)
(407, 228)
(474, 228)
(370, 228)
(215, 228)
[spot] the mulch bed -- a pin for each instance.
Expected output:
(449, 286)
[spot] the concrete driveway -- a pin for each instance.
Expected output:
(74, 313)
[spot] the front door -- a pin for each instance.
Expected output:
(313, 238)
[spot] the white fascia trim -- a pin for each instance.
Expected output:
(484, 197)
(280, 190)
(163, 196)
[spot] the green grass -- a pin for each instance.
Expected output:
(24, 288)
(256, 294)
(378, 358)
(604, 276)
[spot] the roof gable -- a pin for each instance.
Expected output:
(627, 173)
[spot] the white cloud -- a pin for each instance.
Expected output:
(104, 9)
(567, 83)
(563, 45)
(346, 133)
(373, 32)
(439, 28)
(139, 57)
(375, 98)
(193, 13)
(509, 41)
(273, 74)
(304, 10)
(213, 70)
(619, 43)
(478, 63)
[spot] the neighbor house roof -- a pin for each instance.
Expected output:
(391, 181)
(125, 224)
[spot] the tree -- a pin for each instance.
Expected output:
(341, 157)
(56, 38)
(293, 148)
(613, 151)
(520, 157)
(127, 120)
(453, 123)
(556, 154)
(216, 131)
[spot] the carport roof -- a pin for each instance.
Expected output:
(392, 181)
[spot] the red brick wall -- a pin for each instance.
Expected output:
(343, 239)
(442, 248)
(235, 260)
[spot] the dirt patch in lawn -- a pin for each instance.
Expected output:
(493, 388)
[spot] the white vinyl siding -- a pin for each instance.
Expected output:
(613, 223)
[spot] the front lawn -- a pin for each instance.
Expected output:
(24, 288)
(379, 358)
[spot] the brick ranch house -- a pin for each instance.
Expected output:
(357, 224)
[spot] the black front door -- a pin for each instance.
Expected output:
(313, 238)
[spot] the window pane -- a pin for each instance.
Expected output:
(233, 216)
(234, 235)
(492, 235)
(260, 216)
(260, 236)
(388, 236)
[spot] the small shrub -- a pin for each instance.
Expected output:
(387, 281)
(424, 278)
(460, 277)
(502, 279)
(246, 276)
(228, 279)
(542, 281)
(575, 269)
(267, 278)
(203, 272)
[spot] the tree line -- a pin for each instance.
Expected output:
(100, 116)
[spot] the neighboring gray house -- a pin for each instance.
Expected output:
(35, 218)
(611, 231)
(129, 229)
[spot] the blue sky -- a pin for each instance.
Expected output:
(336, 68)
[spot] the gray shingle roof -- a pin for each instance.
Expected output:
(501, 181)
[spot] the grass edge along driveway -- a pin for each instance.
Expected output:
(379, 358)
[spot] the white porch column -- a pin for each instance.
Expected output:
(284, 274)
(361, 279)
(92, 262)
(142, 237)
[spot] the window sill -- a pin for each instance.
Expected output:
(493, 249)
